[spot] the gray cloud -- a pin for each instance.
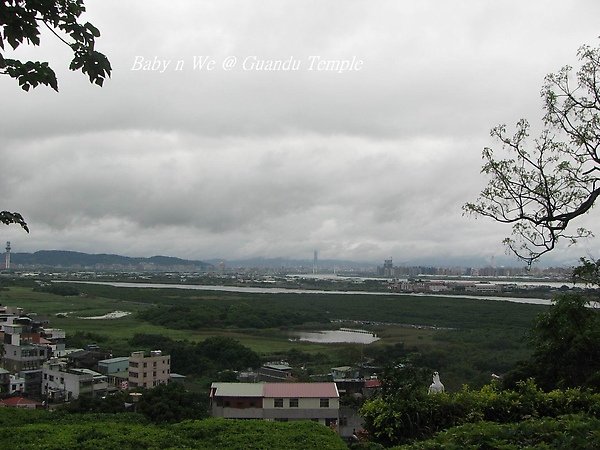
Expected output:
(362, 165)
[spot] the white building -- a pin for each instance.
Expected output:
(16, 385)
(276, 401)
(59, 383)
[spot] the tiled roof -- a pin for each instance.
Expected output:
(372, 383)
(300, 390)
(17, 401)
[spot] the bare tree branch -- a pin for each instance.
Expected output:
(540, 187)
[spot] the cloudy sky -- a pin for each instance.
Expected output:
(227, 161)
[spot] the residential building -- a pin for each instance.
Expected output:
(33, 381)
(347, 379)
(149, 371)
(276, 401)
(20, 402)
(17, 385)
(61, 383)
(22, 348)
(87, 358)
(4, 381)
(55, 338)
(275, 372)
(113, 365)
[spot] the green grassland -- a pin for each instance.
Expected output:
(466, 339)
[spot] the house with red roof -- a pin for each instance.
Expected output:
(276, 401)
(20, 402)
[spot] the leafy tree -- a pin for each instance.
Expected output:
(565, 432)
(392, 419)
(588, 272)
(206, 358)
(172, 403)
(567, 345)
(540, 187)
(7, 217)
(21, 21)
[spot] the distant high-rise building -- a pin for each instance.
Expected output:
(388, 268)
(315, 261)
(7, 256)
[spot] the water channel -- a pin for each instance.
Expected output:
(269, 290)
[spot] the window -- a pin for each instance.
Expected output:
(293, 402)
(324, 403)
(278, 403)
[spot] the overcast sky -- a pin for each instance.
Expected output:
(227, 161)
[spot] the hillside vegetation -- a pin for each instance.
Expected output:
(25, 430)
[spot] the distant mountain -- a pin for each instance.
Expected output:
(78, 260)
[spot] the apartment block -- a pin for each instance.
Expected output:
(149, 371)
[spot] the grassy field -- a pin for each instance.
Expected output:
(484, 336)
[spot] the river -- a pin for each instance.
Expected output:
(269, 290)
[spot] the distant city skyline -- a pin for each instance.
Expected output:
(386, 266)
(275, 128)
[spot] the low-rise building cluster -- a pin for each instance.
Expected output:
(36, 363)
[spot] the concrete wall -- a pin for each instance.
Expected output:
(306, 403)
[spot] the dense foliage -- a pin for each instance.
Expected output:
(166, 403)
(21, 23)
(42, 429)
(206, 358)
(409, 413)
(566, 342)
(219, 315)
(564, 433)
(422, 310)
(65, 290)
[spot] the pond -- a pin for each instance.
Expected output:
(337, 336)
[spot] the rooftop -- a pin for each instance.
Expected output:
(114, 360)
(284, 390)
(304, 390)
(277, 366)
(18, 401)
(237, 389)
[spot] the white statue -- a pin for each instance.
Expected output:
(437, 386)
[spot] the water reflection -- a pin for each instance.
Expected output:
(337, 336)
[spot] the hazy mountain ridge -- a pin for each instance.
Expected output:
(71, 259)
